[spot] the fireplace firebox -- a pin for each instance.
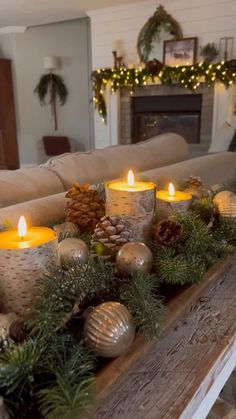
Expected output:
(157, 108)
(154, 115)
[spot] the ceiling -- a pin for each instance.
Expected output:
(38, 12)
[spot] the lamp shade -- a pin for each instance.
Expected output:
(51, 63)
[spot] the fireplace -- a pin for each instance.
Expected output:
(154, 115)
(156, 109)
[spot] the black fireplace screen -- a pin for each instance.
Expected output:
(153, 115)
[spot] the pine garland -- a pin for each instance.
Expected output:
(189, 77)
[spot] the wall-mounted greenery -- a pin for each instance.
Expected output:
(53, 85)
(161, 20)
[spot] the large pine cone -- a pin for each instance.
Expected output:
(196, 187)
(168, 233)
(194, 181)
(109, 235)
(85, 207)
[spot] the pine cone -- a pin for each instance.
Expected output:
(154, 66)
(85, 207)
(194, 181)
(168, 233)
(110, 234)
(196, 187)
(18, 331)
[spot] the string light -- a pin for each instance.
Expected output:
(187, 76)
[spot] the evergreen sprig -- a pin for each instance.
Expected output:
(72, 391)
(56, 296)
(200, 248)
(177, 268)
(229, 186)
(140, 295)
(18, 365)
(226, 232)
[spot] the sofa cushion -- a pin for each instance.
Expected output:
(212, 168)
(114, 161)
(25, 184)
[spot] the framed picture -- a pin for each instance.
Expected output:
(181, 52)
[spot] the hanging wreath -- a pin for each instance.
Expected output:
(53, 85)
(152, 28)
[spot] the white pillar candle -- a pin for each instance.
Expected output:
(136, 202)
(169, 201)
(24, 257)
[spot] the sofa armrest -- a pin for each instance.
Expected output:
(39, 212)
(26, 184)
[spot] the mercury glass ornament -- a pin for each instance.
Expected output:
(66, 229)
(134, 257)
(109, 329)
(5, 322)
(225, 201)
(73, 250)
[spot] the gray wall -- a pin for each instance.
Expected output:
(71, 42)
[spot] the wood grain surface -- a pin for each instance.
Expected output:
(168, 378)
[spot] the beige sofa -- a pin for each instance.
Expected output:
(59, 173)
(39, 193)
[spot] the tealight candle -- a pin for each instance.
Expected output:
(134, 200)
(169, 201)
(24, 256)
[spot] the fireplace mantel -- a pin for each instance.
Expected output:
(113, 134)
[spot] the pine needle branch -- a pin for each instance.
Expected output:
(141, 298)
(226, 231)
(72, 391)
(18, 365)
(178, 269)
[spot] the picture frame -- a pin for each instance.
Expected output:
(180, 52)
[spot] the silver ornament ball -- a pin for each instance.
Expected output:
(109, 329)
(134, 257)
(73, 250)
(66, 229)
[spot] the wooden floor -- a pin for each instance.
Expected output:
(169, 378)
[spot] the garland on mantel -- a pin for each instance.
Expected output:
(154, 72)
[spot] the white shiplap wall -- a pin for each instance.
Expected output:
(209, 20)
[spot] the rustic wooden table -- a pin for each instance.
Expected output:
(181, 374)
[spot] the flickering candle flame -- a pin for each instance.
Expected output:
(171, 189)
(22, 227)
(130, 178)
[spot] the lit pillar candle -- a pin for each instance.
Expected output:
(136, 202)
(24, 256)
(169, 201)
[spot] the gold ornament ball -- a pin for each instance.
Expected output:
(109, 329)
(73, 250)
(134, 257)
(225, 201)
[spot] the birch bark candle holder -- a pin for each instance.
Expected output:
(170, 201)
(136, 202)
(24, 256)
